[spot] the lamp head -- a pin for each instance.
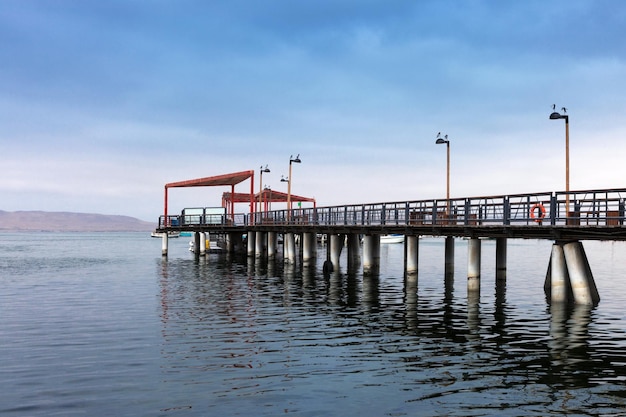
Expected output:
(283, 179)
(296, 160)
(555, 115)
(441, 141)
(266, 169)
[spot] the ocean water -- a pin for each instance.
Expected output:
(101, 325)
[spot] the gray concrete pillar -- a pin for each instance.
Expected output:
(336, 245)
(234, 243)
(309, 247)
(501, 247)
(412, 254)
(164, 244)
(354, 249)
(371, 253)
(290, 248)
(558, 275)
(271, 245)
(196, 243)
(251, 238)
(260, 244)
(449, 256)
(202, 244)
(583, 285)
(473, 264)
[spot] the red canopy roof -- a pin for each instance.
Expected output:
(225, 179)
(269, 196)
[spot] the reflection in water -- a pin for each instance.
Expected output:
(267, 337)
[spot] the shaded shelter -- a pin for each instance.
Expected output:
(218, 180)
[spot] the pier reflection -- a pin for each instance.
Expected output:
(419, 318)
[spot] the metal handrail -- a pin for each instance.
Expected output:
(588, 207)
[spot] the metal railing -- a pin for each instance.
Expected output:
(589, 207)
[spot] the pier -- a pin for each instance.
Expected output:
(596, 215)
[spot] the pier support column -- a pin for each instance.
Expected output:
(289, 243)
(336, 245)
(309, 248)
(164, 244)
(412, 254)
(371, 253)
(271, 245)
(354, 247)
(251, 242)
(581, 278)
(559, 279)
(501, 245)
(449, 256)
(196, 243)
(569, 276)
(234, 243)
(202, 244)
(473, 264)
(260, 244)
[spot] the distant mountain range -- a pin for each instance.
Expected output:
(25, 221)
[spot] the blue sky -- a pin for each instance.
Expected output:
(102, 103)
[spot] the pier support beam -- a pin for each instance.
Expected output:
(449, 256)
(371, 253)
(289, 243)
(473, 264)
(251, 240)
(501, 245)
(559, 278)
(309, 248)
(234, 243)
(202, 244)
(164, 244)
(581, 278)
(569, 275)
(412, 254)
(354, 247)
(336, 245)
(271, 245)
(260, 244)
(196, 243)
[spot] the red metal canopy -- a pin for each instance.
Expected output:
(268, 196)
(229, 199)
(225, 179)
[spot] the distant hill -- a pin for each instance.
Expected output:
(23, 221)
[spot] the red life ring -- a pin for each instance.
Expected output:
(542, 212)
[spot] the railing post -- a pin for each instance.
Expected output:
(506, 214)
(345, 215)
(407, 213)
(434, 212)
(553, 209)
(468, 208)
(382, 215)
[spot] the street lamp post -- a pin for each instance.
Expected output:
(555, 116)
(441, 141)
(262, 170)
(297, 161)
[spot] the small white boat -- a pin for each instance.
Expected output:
(396, 238)
(169, 234)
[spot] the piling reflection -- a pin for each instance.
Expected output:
(418, 326)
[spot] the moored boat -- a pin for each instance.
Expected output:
(395, 238)
(169, 234)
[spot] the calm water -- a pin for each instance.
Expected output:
(101, 325)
